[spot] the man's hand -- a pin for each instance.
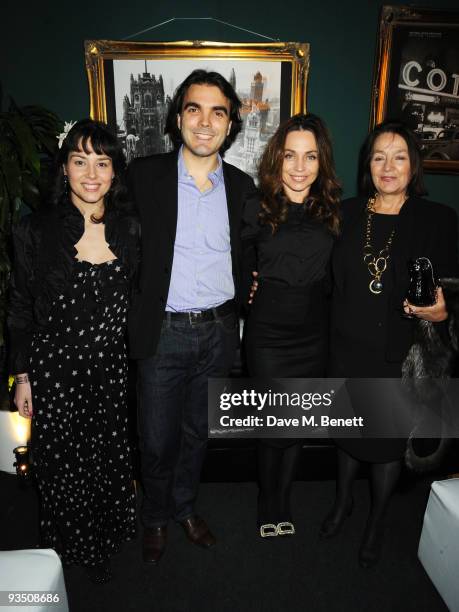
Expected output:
(254, 287)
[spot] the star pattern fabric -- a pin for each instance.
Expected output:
(79, 429)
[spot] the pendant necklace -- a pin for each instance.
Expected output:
(376, 263)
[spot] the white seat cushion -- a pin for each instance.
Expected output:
(33, 570)
(439, 545)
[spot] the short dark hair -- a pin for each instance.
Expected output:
(391, 126)
(103, 141)
(204, 77)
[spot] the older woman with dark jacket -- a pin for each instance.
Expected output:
(381, 231)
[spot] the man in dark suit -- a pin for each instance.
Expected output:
(183, 323)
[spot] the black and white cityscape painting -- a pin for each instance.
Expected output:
(143, 90)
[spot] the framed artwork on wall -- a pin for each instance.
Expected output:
(131, 85)
(417, 79)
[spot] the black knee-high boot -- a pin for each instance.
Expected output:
(290, 458)
(347, 471)
(384, 478)
(269, 463)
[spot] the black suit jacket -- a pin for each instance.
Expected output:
(153, 183)
(425, 229)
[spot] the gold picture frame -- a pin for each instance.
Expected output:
(416, 79)
(112, 90)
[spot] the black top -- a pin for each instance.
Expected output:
(296, 255)
(93, 292)
(364, 317)
(423, 229)
(44, 259)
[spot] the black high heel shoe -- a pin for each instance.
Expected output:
(334, 521)
(371, 547)
(267, 526)
(100, 573)
(268, 530)
(285, 528)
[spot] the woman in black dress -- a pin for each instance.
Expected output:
(369, 336)
(73, 270)
(288, 236)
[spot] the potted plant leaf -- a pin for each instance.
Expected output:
(28, 144)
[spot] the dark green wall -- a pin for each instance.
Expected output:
(42, 58)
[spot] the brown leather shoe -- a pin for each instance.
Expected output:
(154, 544)
(198, 532)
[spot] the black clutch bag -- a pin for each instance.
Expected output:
(422, 287)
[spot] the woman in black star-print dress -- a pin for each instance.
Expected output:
(74, 271)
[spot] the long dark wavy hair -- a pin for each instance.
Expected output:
(203, 77)
(392, 126)
(324, 194)
(84, 135)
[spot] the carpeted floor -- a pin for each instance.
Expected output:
(246, 574)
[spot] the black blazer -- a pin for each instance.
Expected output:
(153, 183)
(425, 229)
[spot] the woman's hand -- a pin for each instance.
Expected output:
(23, 398)
(435, 313)
(254, 287)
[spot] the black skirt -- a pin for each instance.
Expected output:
(287, 335)
(353, 360)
